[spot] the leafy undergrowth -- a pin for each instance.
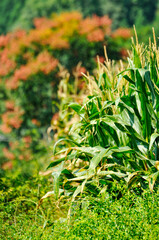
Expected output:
(115, 214)
(20, 215)
(131, 217)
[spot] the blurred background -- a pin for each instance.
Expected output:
(44, 47)
(124, 13)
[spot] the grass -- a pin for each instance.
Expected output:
(135, 215)
(20, 216)
(131, 217)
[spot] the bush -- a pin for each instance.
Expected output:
(29, 72)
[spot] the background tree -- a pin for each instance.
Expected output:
(9, 12)
(124, 13)
(129, 12)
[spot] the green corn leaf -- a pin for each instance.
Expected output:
(48, 194)
(56, 176)
(132, 178)
(152, 179)
(125, 149)
(151, 87)
(123, 104)
(58, 161)
(90, 151)
(76, 192)
(68, 174)
(153, 138)
(94, 115)
(107, 82)
(111, 130)
(83, 185)
(97, 158)
(92, 188)
(118, 174)
(77, 108)
(128, 79)
(152, 113)
(126, 70)
(100, 81)
(143, 98)
(153, 67)
(81, 178)
(131, 121)
(136, 58)
(102, 135)
(105, 153)
(65, 140)
(144, 158)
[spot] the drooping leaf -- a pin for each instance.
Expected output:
(152, 179)
(153, 137)
(77, 108)
(56, 176)
(65, 140)
(58, 161)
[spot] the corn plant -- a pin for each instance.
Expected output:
(117, 136)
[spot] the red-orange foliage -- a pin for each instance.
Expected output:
(10, 104)
(43, 62)
(124, 33)
(96, 35)
(6, 64)
(8, 154)
(24, 56)
(89, 25)
(11, 118)
(53, 33)
(4, 40)
(7, 165)
(79, 70)
(35, 122)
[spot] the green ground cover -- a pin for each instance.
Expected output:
(135, 215)
(116, 214)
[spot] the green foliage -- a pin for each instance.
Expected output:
(19, 14)
(131, 217)
(29, 9)
(40, 8)
(9, 11)
(146, 30)
(129, 12)
(20, 216)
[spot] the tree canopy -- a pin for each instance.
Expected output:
(19, 14)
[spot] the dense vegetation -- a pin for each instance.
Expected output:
(131, 217)
(117, 135)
